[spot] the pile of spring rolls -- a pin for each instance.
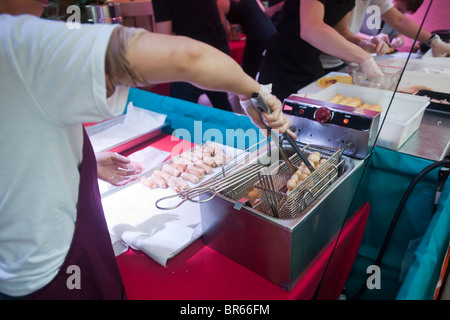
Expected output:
(355, 102)
(191, 165)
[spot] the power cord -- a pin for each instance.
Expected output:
(390, 231)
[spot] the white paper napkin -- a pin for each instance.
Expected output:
(137, 122)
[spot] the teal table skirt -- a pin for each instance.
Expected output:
(412, 263)
(197, 123)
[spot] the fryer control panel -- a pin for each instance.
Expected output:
(332, 125)
(323, 114)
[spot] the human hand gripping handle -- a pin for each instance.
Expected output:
(272, 118)
(260, 103)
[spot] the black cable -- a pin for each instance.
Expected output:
(376, 139)
(390, 231)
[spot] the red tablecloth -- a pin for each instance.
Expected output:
(237, 50)
(201, 273)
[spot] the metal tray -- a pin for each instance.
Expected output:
(434, 105)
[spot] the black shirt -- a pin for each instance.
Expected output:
(290, 62)
(197, 19)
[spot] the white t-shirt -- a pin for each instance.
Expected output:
(356, 20)
(52, 80)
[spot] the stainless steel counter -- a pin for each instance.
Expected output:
(432, 140)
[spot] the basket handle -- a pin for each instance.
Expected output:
(185, 196)
(326, 185)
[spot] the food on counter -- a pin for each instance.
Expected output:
(302, 173)
(445, 71)
(419, 87)
(190, 177)
(190, 166)
(177, 184)
(149, 182)
(172, 170)
(365, 106)
(205, 167)
(391, 50)
(354, 102)
(325, 82)
(159, 179)
(337, 98)
(376, 107)
(407, 90)
(196, 171)
(440, 101)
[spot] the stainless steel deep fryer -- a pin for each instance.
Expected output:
(281, 237)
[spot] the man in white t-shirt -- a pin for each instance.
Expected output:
(53, 80)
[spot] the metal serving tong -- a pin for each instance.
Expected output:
(261, 105)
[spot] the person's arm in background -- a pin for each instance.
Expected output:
(409, 28)
(224, 8)
(404, 25)
(271, 11)
(325, 38)
(376, 45)
(164, 27)
(161, 58)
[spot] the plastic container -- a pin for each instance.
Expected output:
(388, 82)
(403, 117)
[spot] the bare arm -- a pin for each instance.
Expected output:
(163, 58)
(271, 11)
(343, 29)
(164, 27)
(177, 58)
(376, 44)
(224, 8)
(404, 25)
(320, 35)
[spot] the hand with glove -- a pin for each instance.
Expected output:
(398, 41)
(439, 48)
(276, 120)
(371, 69)
(377, 44)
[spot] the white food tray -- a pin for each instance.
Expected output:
(404, 116)
(133, 218)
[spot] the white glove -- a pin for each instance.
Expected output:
(398, 41)
(377, 44)
(439, 48)
(250, 109)
(371, 69)
(276, 120)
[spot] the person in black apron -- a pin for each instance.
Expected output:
(91, 246)
(291, 62)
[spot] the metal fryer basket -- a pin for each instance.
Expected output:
(276, 201)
